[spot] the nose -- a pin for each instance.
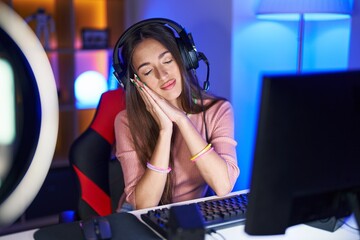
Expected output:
(162, 73)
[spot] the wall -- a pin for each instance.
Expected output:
(354, 55)
(261, 47)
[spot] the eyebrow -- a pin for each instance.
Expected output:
(159, 57)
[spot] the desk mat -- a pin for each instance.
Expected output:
(123, 226)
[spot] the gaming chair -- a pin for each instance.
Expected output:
(99, 175)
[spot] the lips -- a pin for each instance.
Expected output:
(168, 85)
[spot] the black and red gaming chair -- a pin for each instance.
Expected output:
(100, 176)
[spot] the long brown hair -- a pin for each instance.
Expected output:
(143, 127)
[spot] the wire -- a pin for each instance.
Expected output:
(206, 84)
(213, 231)
(205, 88)
(348, 225)
(210, 235)
(204, 119)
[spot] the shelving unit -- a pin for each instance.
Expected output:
(67, 57)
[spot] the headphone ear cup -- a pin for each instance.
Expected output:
(123, 80)
(119, 74)
(189, 56)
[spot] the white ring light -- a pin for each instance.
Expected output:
(17, 202)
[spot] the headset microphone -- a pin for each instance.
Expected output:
(206, 84)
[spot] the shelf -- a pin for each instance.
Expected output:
(72, 50)
(67, 57)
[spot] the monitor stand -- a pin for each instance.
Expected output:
(331, 224)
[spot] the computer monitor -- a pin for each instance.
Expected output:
(28, 115)
(306, 166)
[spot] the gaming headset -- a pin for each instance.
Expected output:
(185, 42)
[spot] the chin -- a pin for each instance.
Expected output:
(172, 98)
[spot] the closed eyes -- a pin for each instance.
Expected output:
(168, 61)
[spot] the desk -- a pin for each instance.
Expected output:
(298, 232)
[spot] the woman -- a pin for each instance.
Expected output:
(169, 147)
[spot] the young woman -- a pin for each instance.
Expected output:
(173, 140)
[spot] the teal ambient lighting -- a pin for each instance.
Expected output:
(303, 10)
(307, 16)
(311, 9)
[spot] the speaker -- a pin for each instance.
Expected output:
(185, 42)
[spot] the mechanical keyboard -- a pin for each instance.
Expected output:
(216, 213)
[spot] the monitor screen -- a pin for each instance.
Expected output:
(307, 153)
(28, 115)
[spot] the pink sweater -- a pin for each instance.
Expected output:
(189, 184)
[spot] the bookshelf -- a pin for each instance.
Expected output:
(68, 58)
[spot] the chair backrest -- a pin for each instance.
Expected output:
(100, 177)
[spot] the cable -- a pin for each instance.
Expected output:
(204, 118)
(355, 207)
(206, 86)
(213, 231)
(348, 225)
(210, 235)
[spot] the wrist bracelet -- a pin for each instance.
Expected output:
(201, 152)
(157, 169)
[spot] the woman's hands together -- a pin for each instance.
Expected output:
(162, 111)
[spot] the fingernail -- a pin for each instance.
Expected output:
(136, 77)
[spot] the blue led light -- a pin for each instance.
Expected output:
(307, 16)
(325, 16)
(88, 89)
(279, 17)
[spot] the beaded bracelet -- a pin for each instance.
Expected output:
(201, 152)
(157, 169)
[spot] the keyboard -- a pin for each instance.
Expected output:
(216, 213)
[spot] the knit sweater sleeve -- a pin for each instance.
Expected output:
(221, 132)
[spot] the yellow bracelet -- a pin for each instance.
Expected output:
(201, 152)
